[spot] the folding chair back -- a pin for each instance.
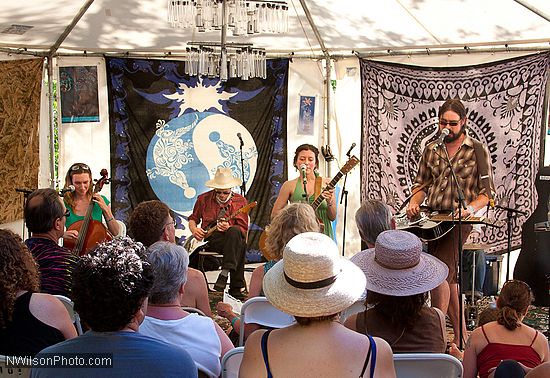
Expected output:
(258, 310)
(69, 305)
(427, 365)
(231, 362)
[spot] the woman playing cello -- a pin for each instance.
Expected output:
(80, 176)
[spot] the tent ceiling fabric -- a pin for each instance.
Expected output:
(140, 26)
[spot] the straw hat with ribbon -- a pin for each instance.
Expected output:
(312, 279)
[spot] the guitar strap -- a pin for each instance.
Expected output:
(483, 169)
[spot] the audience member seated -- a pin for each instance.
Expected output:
(399, 277)
(110, 290)
(151, 222)
(313, 283)
(45, 217)
(374, 217)
(507, 337)
(29, 321)
(292, 220)
(167, 321)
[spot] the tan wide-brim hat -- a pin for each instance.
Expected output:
(397, 266)
(223, 179)
(312, 279)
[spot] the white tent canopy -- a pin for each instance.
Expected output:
(422, 32)
(140, 26)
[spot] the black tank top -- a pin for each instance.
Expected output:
(25, 335)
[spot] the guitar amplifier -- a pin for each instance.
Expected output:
(533, 265)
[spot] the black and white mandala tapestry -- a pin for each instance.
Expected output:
(504, 103)
(170, 132)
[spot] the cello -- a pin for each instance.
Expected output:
(90, 231)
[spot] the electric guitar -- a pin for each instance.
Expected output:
(191, 244)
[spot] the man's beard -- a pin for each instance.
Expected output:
(452, 136)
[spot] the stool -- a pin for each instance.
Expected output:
(202, 255)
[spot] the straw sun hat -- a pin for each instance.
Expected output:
(312, 279)
(397, 266)
(223, 179)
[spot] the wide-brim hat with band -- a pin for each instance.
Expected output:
(312, 279)
(223, 179)
(397, 266)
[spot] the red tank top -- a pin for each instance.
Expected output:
(493, 353)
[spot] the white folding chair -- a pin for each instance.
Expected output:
(258, 310)
(69, 305)
(19, 372)
(427, 365)
(231, 362)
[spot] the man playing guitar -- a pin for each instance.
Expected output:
(435, 184)
(229, 239)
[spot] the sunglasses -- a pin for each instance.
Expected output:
(66, 214)
(444, 122)
(79, 167)
(226, 192)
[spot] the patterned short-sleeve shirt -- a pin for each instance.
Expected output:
(436, 179)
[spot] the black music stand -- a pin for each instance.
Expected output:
(510, 213)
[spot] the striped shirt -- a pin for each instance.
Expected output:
(56, 265)
(436, 179)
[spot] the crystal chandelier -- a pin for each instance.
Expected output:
(228, 60)
(243, 17)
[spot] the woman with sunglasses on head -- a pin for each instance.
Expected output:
(506, 344)
(306, 161)
(79, 175)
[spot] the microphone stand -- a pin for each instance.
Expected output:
(344, 197)
(243, 185)
(26, 193)
(509, 215)
(304, 183)
(461, 206)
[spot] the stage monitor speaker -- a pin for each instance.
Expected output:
(533, 265)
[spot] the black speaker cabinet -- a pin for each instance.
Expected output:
(533, 265)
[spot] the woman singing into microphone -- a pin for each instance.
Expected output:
(306, 161)
(80, 176)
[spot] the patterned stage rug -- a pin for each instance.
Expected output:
(171, 131)
(504, 102)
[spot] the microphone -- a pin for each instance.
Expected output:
(303, 169)
(442, 136)
(240, 139)
(70, 188)
(348, 154)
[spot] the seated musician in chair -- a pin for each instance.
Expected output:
(229, 238)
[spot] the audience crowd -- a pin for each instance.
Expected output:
(352, 315)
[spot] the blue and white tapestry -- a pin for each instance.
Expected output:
(170, 132)
(504, 101)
